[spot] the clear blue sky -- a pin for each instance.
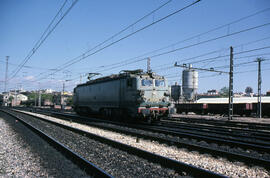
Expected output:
(91, 22)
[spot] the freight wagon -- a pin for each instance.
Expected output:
(242, 106)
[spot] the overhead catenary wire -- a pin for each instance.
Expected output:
(243, 18)
(215, 75)
(27, 66)
(206, 76)
(193, 37)
(113, 36)
(212, 58)
(41, 41)
(189, 46)
(217, 51)
(83, 56)
(237, 65)
(242, 52)
(120, 32)
(236, 73)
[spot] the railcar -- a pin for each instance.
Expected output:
(242, 109)
(129, 94)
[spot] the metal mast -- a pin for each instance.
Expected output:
(148, 65)
(259, 108)
(6, 76)
(231, 85)
(39, 98)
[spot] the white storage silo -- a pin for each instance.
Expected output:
(189, 83)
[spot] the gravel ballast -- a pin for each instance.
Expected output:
(218, 165)
(114, 161)
(24, 154)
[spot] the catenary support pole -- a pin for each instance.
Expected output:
(259, 107)
(6, 76)
(231, 86)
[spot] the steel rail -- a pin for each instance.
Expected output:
(84, 164)
(226, 123)
(164, 161)
(210, 139)
(231, 156)
(220, 135)
(219, 130)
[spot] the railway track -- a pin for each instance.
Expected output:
(222, 123)
(244, 133)
(245, 138)
(262, 147)
(236, 156)
(91, 169)
(251, 142)
(179, 167)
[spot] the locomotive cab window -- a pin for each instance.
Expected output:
(147, 82)
(159, 83)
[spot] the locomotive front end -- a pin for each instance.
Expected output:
(153, 97)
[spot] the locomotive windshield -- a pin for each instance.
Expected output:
(159, 83)
(147, 82)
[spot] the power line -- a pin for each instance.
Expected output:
(214, 58)
(242, 52)
(215, 75)
(240, 72)
(212, 69)
(243, 63)
(226, 49)
(28, 67)
(83, 56)
(217, 57)
(238, 64)
(41, 41)
(225, 25)
(168, 65)
(118, 33)
(175, 43)
(190, 38)
(188, 46)
(224, 66)
(113, 36)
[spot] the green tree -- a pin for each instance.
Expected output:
(69, 101)
(224, 92)
(10, 98)
(46, 97)
(31, 96)
(34, 95)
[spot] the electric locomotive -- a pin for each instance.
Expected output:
(132, 94)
